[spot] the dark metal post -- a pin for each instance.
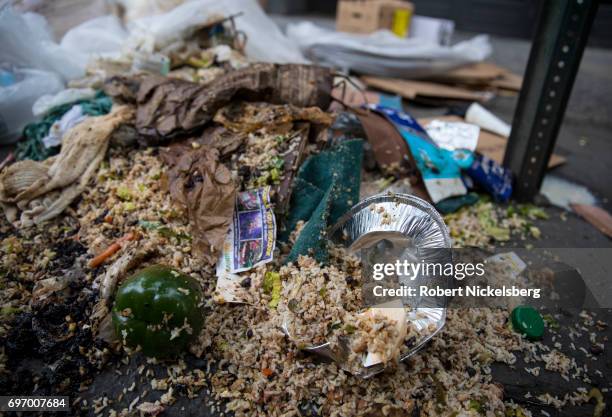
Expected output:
(561, 36)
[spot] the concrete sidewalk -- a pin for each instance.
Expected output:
(585, 135)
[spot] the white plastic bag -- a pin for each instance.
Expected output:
(383, 53)
(136, 9)
(70, 119)
(16, 100)
(45, 103)
(26, 42)
(265, 41)
(103, 36)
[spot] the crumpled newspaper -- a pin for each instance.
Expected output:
(42, 190)
(201, 184)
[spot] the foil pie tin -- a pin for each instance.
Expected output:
(413, 226)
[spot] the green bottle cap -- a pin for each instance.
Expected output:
(528, 321)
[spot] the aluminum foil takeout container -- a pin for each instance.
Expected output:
(405, 224)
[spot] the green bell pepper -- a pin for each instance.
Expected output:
(159, 310)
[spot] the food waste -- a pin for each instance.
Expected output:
(111, 251)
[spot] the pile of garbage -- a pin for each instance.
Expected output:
(171, 178)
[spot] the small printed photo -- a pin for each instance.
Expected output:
(248, 200)
(250, 253)
(250, 225)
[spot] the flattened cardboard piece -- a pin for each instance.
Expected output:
(355, 98)
(411, 89)
(390, 149)
(477, 73)
(597, 216)
(354, 94)
(484, 74)
(508, 81)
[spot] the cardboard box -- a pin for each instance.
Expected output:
(366, 16)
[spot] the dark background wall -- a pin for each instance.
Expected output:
(513, 18)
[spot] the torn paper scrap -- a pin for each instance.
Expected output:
(511, 262)
(229, 288)
(453, 135)
(395, 311)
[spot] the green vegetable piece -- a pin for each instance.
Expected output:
(277, 162)
(149, 225)
(157, 308)
(268, 281)
(272, 285)
(514, 412)
(532, 212)
(500, 234)
(476, 406)
(168, 233)
(440, 391)
(263, 179)
(275, 295)
(334, 326)
(293, 305)
(124, 193)
(350, 329)
(9, 311)
(551, 321)
(600, 404)
(275, 175)
(528, 321)
(535, 232)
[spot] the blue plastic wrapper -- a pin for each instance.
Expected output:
(439, 168)
(390, 101)
(492, 177)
